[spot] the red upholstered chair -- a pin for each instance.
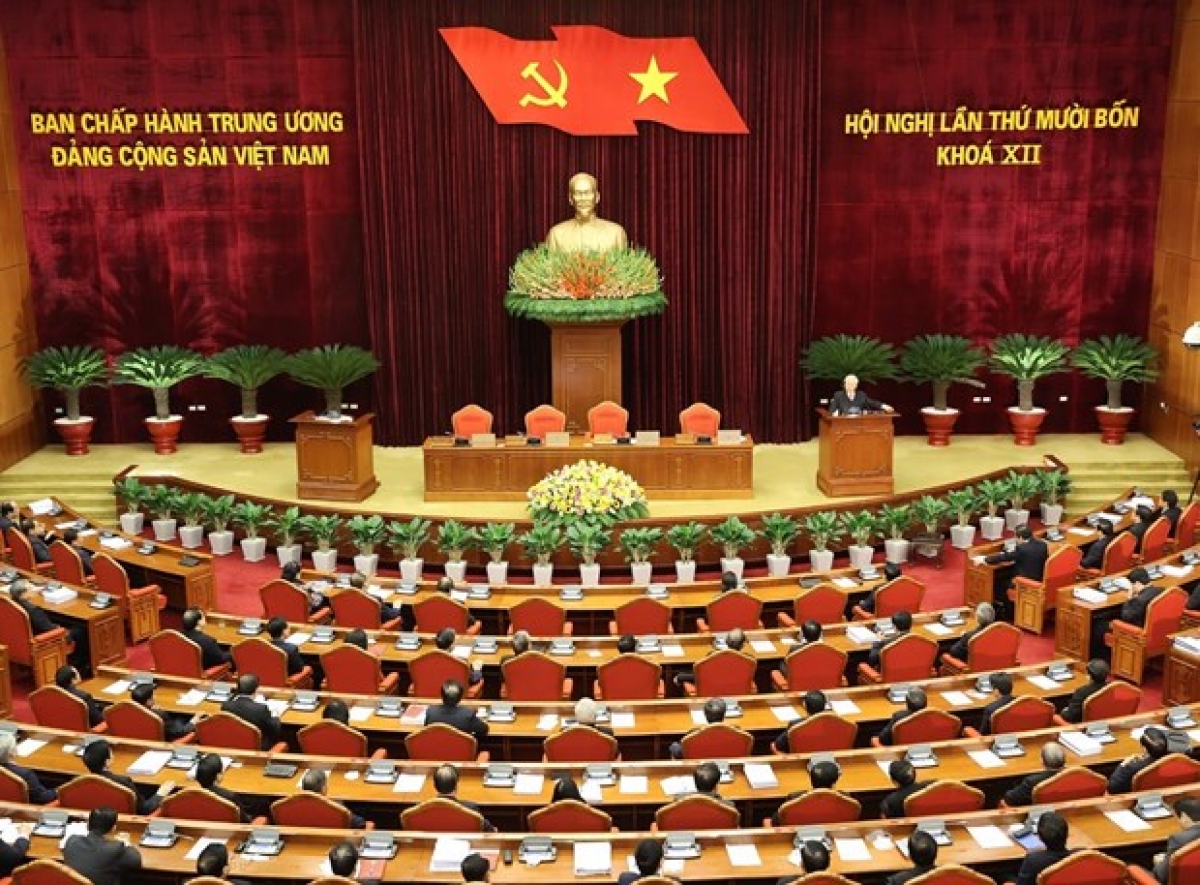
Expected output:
(823, 603)
(696, 813)
(21, 552)
(951, 874)
(902, 594)
(1085, 867)
(443, 743)
(176, 655)
(1068, 784)
(470, 420)
(1133, 647)
(735, 608)
(437, 611)
(1172, 770)
(127, 719)
(1185, 531)
(196, 803)
(43, 654)
(817, 665)
(1021, 714)
(214, 880)
(330, 738)
(354, 608)
(1154, 542)
(257, 655)
(47, 872)
(1183, 869)
(223, 729)
(1115, 699)
(943, 797)
(924, 727)
(13, 788)
(608, 417)
(700, 419)
(995, 647)
(642, 617)
(312, 810)
(539, 616)
(580, 743)
(717, 740)
(68, 565)
(351, 670)
(283, 600)
(54, 707)
(1034, 600)
(430, 670)
(722, 674)
(822, 878)
(441, 816)
(569, 816)
(629, 678)
(817, 807)
(822, 733)
(1118, 557)
(544, 419)
(908, 659)
(139, 606)
(533, 676)
(93, 791)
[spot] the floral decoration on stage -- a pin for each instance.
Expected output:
(587, 490)
(584, 287)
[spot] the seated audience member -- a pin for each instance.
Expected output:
(445, 782)
(904, 776)
(814, 702)
(915, 700)
(1188, 812)
(39, 539)
(922, 851)
(444, 641)
(276, 631)
(707, 776)
(70, 538)
(358, 638)
(445, 585)
(1053, 831)
(451, 713)
(1133, 610)
(1028, 560)
(337, 710)
(97, 759)
(810, 631)
(175, 725)
(10, 513)
(475, 868)
(565, 788)
(586, 711)
(714, 711)
(97, 857)
(387, 611)
(521, 642)
(343, 859)
(891, 571)
(214, 861)
(209, 771)
(627, 644)
(1154, 742)
(647, 857)
(245, 706)
(902, 621)
(1170, 509)
(13, 854)
(735, 640)
(316, 780)
(730, 581)
(1093, 557)
(39, 794)
(211, 652)
(41, 622)
(823, 775)
(1053, 761)
(985, 616)
(1002, 684)
(814, 858)
(1097, 671)
(67, 678)
(1145, 519)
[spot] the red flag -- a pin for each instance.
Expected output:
(592, 81)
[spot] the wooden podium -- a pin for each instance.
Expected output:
(856, 454)
(585, 368)
(335, 460)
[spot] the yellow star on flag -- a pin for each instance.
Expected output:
(654, 82)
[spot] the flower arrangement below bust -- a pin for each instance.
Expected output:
(587, 490)
(583, 287)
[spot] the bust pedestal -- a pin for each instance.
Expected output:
(585, 368)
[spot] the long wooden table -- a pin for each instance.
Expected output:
(105, 629)
(1181, 671)
(669, 470)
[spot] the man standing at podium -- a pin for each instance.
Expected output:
(852, 401)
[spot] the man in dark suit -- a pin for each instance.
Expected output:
(1145, 519)
(67, 678)
(211, 652)
(1188, 812)
(97, 759)
(209, 770)
(316, 781)
(38, 539)
(98, 858)
(175, 725)
(714, 712)
(214, 861)
(10, 513)
(70, 537)
(12, 855)
(647, 857)
(904, 776)
(1171, 509)
(585, 715)
(445, 640)
(451, 713)
(852, 401)
(1154, 742)
(1027, 558)
(276, 630)
(922, 851)
(707, 778)
(39, 621)
(1053, 758)
(1097, 670)
(1093, 557)
(810, 632)
(1133, 610)
(985, 616)
(38, 793)
(244, 706)
(1002, 684)
(1052, 830)
(814, 702)
(902, 621)
(891, 571)
(445, 781)
(915, 700)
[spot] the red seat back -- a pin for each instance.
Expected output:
(629, 678)
(569, 816)
(927, 726)
(54, 707)
(437, 611)
(1118, 555)
(259, 656)
(470, 420)
(196, 803)
(717, 740)
(21, 551)
(700, 419)
(310, 810)
(111, 577)
(1068, 784)
(283, 600)
(1061, 569)
(128, 719)
(943, 797)
(226, 730)
(1022, 714)
(995, 647)
(1184, 867)
(1172, 770)
(725, 673)
(908, 659)
(176, 655)
(68, 567)
(643, 617)
(579, 743)
(538, 616)
(817, 665)
(735, 608)
(544, 419)
(1115, 699)
(354, 608)
(15, 632)
(430, 670)
(88, 791)
(351, 670)
(330, 738)
(819, 807)
(441, 816)
(822, 733)
(1185, 531)
(441, 743)
(697, 813)
(903, 594)
(951, 874)
(13, 788)
(1162, 619)
(608, 417)
(47, 872)
(533, 676)
(1085, 867)
(824, 603)
(1154, 542)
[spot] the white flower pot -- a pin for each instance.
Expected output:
(860, 557)
(164, 529)
(220, 543)
(822, 560)
(962, 536)
(131, 523)
(685, 571)
(778, 565)
(991, 528)
(456, 570)
(735, 565)
(543, 574)
(254, 549)
(642, 572)
(1051, 514)
(291, 553)
(366, 563)
(896, 549)
(325, 561)
(497, 573)
(589, 575)
(191, 536)
(410, 570)
(1014, 518)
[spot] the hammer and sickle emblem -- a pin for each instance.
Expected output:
(554, 95)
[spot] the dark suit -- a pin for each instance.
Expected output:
(488, 827)
(295, 663)
(230, 796)
(906, 875)
(39, 794)
(1134, 610)
(985, 717)
(1138, 530)
(893, 804)
(1028, 559)
(1174, 843)
(245, 707)
(1022, 793)
(85, 558)
(1094, 557)
(211, 653)
(464, 719)
(39, 621)
(1121, 780)
(1073, 711)
(175, 725)
(1193, 600)
(841, 404)
(12, 856)
(962, 647)
(41, 551)
(147, 798)
(95, 711)
(1172, 514)
(875, 655)
(1035, 862)
(887, 733)
(101, 860)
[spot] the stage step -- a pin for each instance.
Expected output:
(89, 493)
(1095, 483)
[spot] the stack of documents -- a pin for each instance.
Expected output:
(448, 855)
(761, 775)
(680, 785)
(593, 858)
(1080, 743)
(149, 763)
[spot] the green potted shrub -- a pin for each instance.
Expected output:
(963, 503)
(894, 521)
(69, 370)
(191, 507)
(929, 512)
(541, 542)
(823, 528)
(1115, 361)
(366, 533)
(734, 536)
(408, 538)
(780, 531)
(861, 527)
(1053, 486)
(993, 494)
(1027, 358)
(941, 360)
(686, 538)
(1021, 487)
(218, 513)
(587, 540)
(638, 544)
(331, 369)
(250, 516)
(454, 539)
(288, 525)
(494, 539)
(159, 369)
(163, 502)
(134, 496)
(324, 529)
(247, 367)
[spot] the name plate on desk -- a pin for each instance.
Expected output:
(603, 439)
(729, 437)
(483, 440)
(559, 439)
(647, 438)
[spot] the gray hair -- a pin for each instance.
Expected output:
(985, 613)
(585, 711)
(8, 743)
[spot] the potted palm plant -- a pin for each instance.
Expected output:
(894, 521)
(324, 529)
(638, 544)
(331, 369)
(1021, 487)
(1053, 485)
(1115, 361)
(218, 513)
(780, 531)
(247, 367)
(686, 537)
(69, 370)
(366, 533)
(191, 506)
(164, 504)
(159, 369)
(822, 528)
(860, 526)
(408, 538)
(495, 539)
(963, 504)
(941, 360)
(454, 539)
(733, 535)
(993, 494)
(250, 516)
(1026, 358)
(587, 540)
(288, 525)
(541, 542)
(134, 495)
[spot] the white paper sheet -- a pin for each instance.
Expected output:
(593, 858)
(845, 583)
(761, 775)
(115, 543)
(785, 714)
(1127, 820)
(121, 686)
(986, 759)
(937, 628)
(989, 837)
(860, 635)
(679, 785)
(202, 843)
(528, 783)
(277, 706)
(672, 650)
(763, 647)
(591, 791)
(298, 638)
(149, 763)
(624, 719)
(844, 707)
(743, 855)
(1045, 683)
(410, 782)
(852, 849)
(956, 698)
(360, 714)
(698, 717)
(1177, 571)
(1081, 532)
(448, 854)
(29, 746)
(547, 722)
(463, 652)
(1087, 594)
(193, 697)
(633, 785)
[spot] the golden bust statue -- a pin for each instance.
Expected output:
(586, 231)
